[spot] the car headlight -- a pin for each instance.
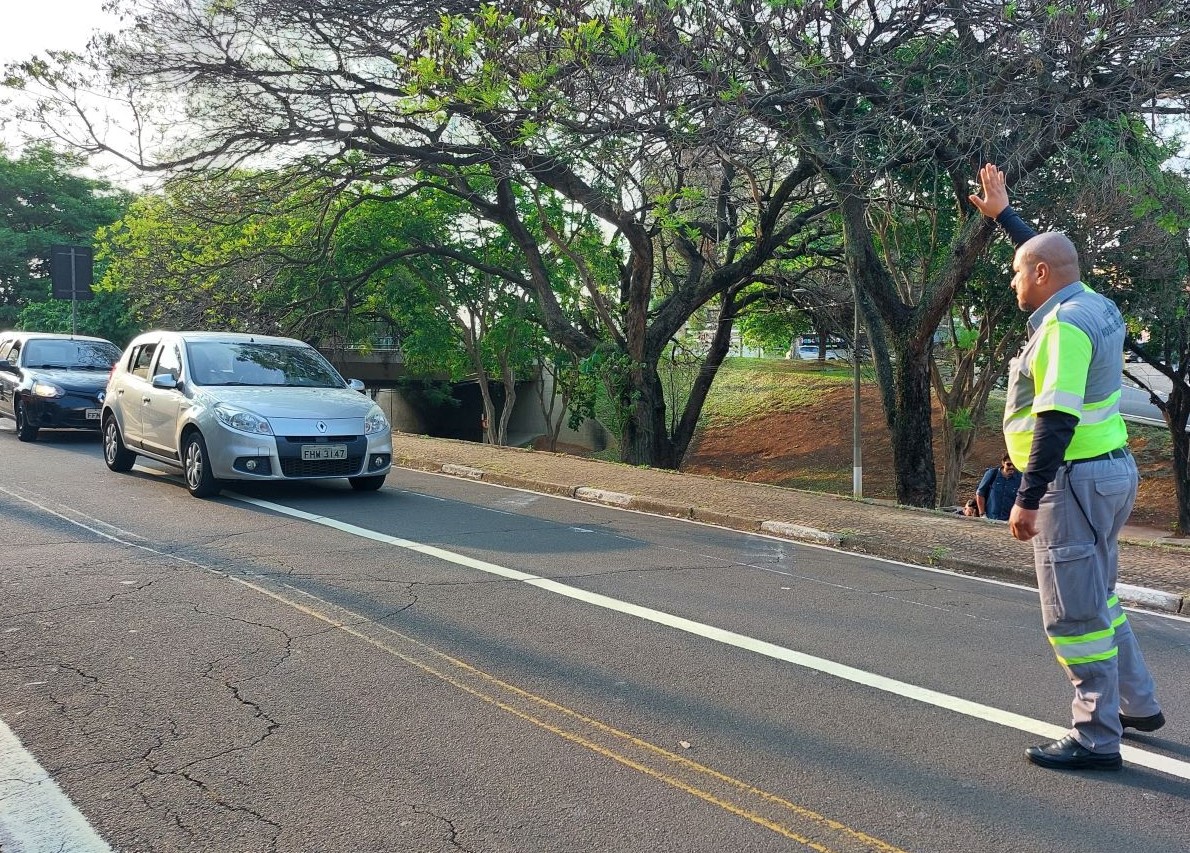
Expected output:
(241, 420)
(46, 389)
(375, 422)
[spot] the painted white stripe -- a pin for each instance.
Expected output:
(1143, 758)
(35, 816)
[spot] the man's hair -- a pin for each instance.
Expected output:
(1005, 458)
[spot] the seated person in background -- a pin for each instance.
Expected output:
(969, 509)
(996, 492)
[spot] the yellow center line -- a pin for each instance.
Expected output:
(666, 766)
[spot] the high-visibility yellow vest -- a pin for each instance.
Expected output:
(1073, 362)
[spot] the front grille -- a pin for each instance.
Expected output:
(295, 467)
(319, 439)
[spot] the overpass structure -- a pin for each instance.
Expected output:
(376, 368)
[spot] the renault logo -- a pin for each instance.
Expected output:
(321, 426)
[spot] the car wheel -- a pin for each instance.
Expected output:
(366, 484)
(25, 430)
(196, 466)
(115, 454)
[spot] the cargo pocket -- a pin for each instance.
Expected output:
(1070, 585)
(1114, 486)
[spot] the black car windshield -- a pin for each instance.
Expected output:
(64, 353)
(259, 364)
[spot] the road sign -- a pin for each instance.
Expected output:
(70, 272)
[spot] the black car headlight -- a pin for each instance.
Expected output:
(41, 388)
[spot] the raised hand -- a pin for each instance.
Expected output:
(995, 191)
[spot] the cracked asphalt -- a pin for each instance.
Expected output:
(446, 665)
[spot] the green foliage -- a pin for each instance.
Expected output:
(44, 201)
(105, 316)
(961, 419)
(615, 397)
(772, 326)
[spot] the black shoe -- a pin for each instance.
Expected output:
(1069, 754)
(1143, 724)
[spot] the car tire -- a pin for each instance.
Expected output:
(196, 467)
(366, 484)
(25, 430)
(117, 457)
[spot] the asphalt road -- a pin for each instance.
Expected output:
(453, 666)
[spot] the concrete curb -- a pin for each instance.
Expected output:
(1136, 596)
(1151, 599)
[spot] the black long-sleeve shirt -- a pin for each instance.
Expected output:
(1054, 429)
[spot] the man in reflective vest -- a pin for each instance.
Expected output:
(1062, 427)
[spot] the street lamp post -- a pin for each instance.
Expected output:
(857, 462)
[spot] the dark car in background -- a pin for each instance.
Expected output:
(50, 381)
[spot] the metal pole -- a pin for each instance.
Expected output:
(73, 297)
(857, 463)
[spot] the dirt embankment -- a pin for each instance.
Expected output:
(811, 448)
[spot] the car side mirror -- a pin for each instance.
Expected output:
(8, 367)
(356, 385)
(166, 381)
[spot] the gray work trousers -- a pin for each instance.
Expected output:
(1076, 555)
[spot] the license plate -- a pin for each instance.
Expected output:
(317, 452)
(92, 414)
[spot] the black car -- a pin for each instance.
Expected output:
(53, 381)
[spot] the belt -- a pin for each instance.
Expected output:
(1118, 453)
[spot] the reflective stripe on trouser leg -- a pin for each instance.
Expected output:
(1072, 569)
(1137, 692)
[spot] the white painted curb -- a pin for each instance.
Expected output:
(601, 496)
(462, 471)
(1154, 599)
(797, 531)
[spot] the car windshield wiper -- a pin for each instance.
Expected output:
(47, 367)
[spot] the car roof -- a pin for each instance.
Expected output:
(51, 336)
(228, 337)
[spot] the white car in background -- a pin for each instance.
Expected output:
(224, 406)
(809, 352)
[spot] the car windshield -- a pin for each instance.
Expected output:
(49, 353)
(260, 364)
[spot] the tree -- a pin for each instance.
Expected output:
(891, 99)
(43, 202)
(487, 103)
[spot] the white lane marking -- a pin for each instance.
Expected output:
(1172, 766)
(1159, 614)
(36, 816)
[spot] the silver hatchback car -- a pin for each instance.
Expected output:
(224, 406)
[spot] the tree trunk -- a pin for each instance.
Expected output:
(716, 353)
(912, 429)
(956, 444)
(645, 439)
(1177, 415)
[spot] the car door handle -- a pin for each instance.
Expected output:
(146, 399)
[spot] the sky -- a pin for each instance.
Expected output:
(30, 27)
(34, 26)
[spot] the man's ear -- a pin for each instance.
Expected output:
(1043, 272)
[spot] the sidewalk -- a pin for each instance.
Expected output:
(1154, 572)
